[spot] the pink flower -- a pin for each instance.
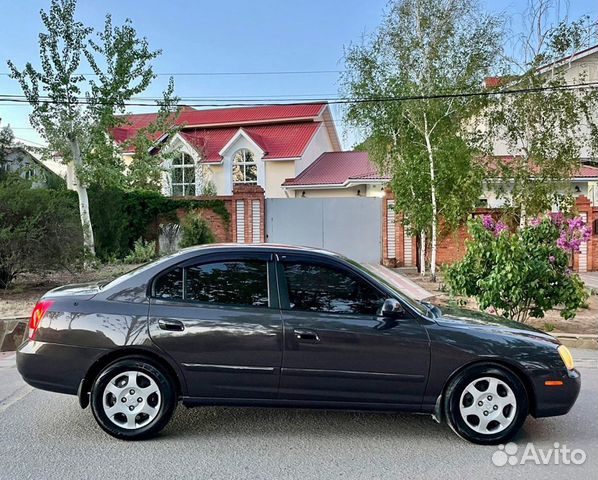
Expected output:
(488, 222)
(551, 258)
(557, 218)
(573, 235)
(499, 228)
(534, 222)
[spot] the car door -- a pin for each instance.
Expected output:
(218, 317)
(336, 347)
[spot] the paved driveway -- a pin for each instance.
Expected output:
(48, 436)
(590, 279)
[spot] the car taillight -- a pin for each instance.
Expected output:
(36, 316)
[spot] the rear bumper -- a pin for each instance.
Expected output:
(556, 400)
(55, 367)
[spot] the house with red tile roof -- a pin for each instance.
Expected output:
(288, 150)
(581, 66)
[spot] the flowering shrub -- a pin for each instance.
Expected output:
(522, 273)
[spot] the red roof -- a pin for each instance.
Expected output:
(587, 171)
(239, 116)
(286, 140)
(337, 168)
(584, 171)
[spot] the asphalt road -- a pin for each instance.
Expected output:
(47, 436)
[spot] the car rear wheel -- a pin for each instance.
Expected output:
(133, 399)
(486, 404)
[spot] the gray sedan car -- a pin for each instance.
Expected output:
(282, 326)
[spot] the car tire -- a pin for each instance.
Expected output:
(133, 398)
(486, 404)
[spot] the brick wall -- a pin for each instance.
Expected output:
(246, 207)
(220, 228)
(453, 247)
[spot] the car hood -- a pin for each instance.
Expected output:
(87, 290)
(463, 318)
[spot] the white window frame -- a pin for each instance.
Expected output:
(184, 165)
(243, 165)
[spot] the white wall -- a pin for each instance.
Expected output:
(579, 71)
(319, 144)
(496, 201)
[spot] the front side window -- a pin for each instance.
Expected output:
(244, 167)
(243, 283)
(317, 288)
(228, 283)
(183, 175)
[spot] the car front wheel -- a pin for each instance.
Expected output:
(133, 399)
(486, 404)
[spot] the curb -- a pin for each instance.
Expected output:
(12, 332)
(578, 340)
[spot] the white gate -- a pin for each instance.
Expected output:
(349, 226)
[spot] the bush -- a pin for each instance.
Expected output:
(523, 273)
(195, 231)
(120, 218)
(39, 230)
(142, 252)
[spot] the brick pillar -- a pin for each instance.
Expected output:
(389, 230)
(248, 214)
(586, 260)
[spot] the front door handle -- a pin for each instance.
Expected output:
(171, 325)
(306, 335)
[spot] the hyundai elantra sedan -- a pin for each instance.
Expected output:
(283, 326)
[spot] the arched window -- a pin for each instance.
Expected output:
(183, 175)
(244, 167)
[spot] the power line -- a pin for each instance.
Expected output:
(237, 102)
(217, 74)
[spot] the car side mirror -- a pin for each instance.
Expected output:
(391, 308)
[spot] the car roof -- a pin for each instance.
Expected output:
(270, 247)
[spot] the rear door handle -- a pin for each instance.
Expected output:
(306, 335)
(171, 325)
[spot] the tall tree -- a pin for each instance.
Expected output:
(149, 158)
(72, 112)
(425, 48)
(6, 141)
(549, 129)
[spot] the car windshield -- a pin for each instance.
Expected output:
(421, 307)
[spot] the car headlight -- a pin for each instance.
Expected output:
(566, 357)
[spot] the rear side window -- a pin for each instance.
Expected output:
(228, 283)
(317, 288)
(169, 286)
(243, 283)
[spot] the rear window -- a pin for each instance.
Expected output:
(169, 285)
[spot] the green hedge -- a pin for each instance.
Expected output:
(39, 229)
(119, 218)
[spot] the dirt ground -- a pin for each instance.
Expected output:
(20, 298)
(585, 322)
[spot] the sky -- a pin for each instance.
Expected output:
(227, 36)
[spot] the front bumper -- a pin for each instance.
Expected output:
(55, 367)
(556, 400)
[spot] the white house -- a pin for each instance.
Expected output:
(282, 148)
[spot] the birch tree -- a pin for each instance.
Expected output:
(74, 112)
(548, 130)
(423, 49)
